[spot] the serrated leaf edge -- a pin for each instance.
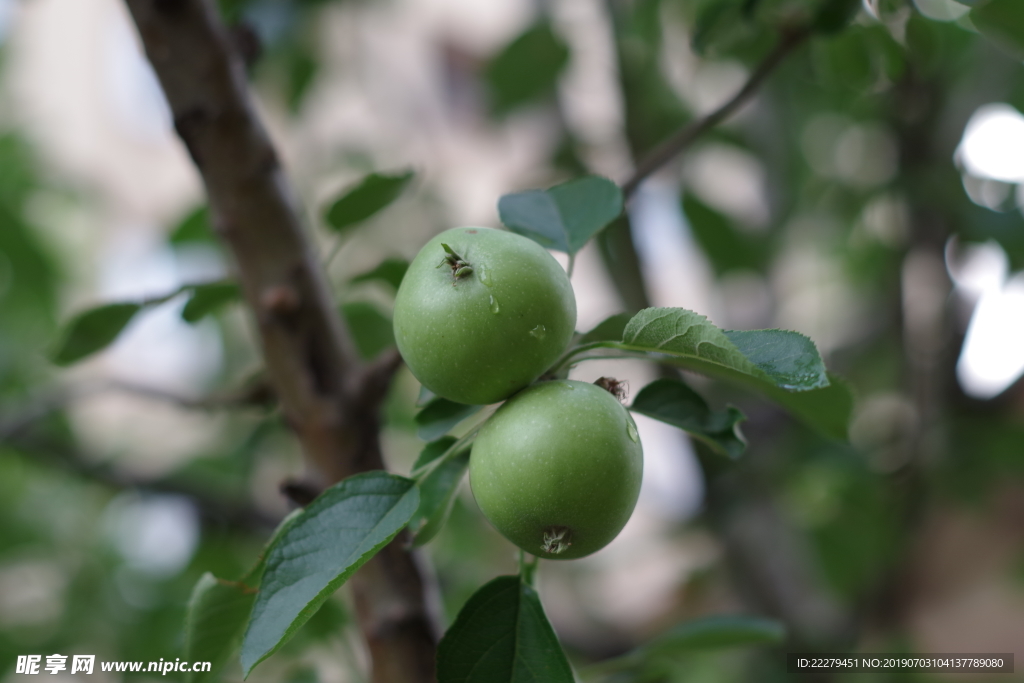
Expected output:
(322, 595)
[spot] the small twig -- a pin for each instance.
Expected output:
(421, 474)
(688, 134)
(374, 381)
(187, 287)
(257, 393)
(338, 245)
(37, 409)
(213, 507)
(568, 357)
(299, 492)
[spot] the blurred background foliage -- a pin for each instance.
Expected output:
(869, 197)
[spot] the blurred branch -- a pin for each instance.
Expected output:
(618, 253)
(376, 377)
(774, 566)
(784, 585)
(672, 147)
(255, 393)
(212, 506)
(258, 393)
(21, 432)
(310, 357)
(14, 423)
(299, 492)
(924, 323)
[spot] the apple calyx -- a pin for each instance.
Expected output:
(557, 539)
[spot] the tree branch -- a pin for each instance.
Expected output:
(310, 358)
(254, 393)
(309, 355)
(687, 135)
(257, 393)
(213, 507)
(761, 574)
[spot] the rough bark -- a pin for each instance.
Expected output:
(329, 399)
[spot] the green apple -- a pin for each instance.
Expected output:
(481, 313)
(557, 469)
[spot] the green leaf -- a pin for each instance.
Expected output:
(439, 416)
(339, 531)
(978, 224)
(372, 331)
(302, 68)
(708, 633)
(437, 490)
(502, 636)
(206, 299)
(193, 228)
(424, 397)
(92, 330)
(718, 21)
(360, 201)
(827, 409)
(651, 105)
(852, 58)
(565, 216)
(526, 69)
(1002, 22)
(673, 402)
(834, 15)
(217, 613)
(27, 274)
(787, 360)
(609, 329)
(727, 248)
(432, 451)
(723, 631)
(785, 366)
(219, 610)
(390, 270)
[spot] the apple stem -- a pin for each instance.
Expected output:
(528, 568)
(460, 267)
(616, 388)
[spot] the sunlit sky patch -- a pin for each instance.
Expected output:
(993, 354)
(993, 143)
(992, 357)
(941, 10)
(7, 8)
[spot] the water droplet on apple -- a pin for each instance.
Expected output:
(494, 305)
(631, 431)
(539, 332)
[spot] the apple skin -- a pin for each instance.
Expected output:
(479, 337)
(560, 456)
